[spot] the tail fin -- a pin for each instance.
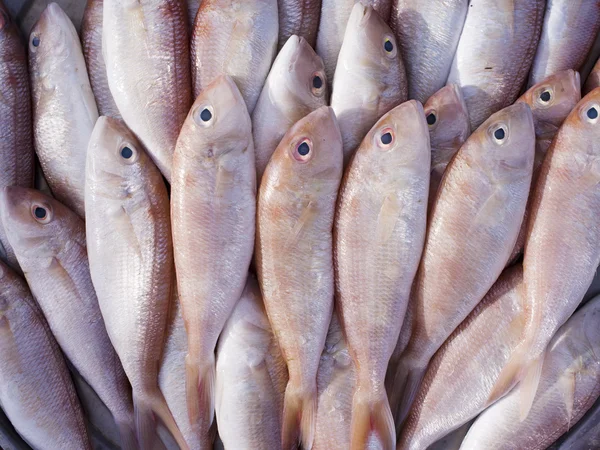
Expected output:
(299, 417)
(200, 389)
(127, 435)
(371, 412)
(147, 410)
(510, 375)
(406, 385)
(529, 387)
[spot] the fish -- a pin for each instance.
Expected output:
(213, 208)
(296, 86)
(9, 438)
(472, 229)
(568, 33)
(146, 50)
(562, 222)
(382, 200)
(36, 390)
(449, 128)
(16, 129)
(550, 101)
(568, 387)
(370, 78)
(494, 53)
(331, 31)
(128, 236)
(91, 42)
(238, 39)
(171, 380)
(585, 434)
(64, 108)
(49, 241)
(593, 79)
(294, 259)
(427, 32)
(300, 18)
(251, 377)
(456, 385)
(193, 7)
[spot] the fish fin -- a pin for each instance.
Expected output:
(408, 379)
(306, 218)
(567, 386)
(192, 376)
(127, 435)
(206, 390)
(299, 416)
(491, 208)
(529, 387)
(371, 413)
(510, 375)
(160, 409)
(225, 180)
(387, 218)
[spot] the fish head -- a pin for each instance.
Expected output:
(302, 74)
(309, 157)
(38, 226)
(448, 122)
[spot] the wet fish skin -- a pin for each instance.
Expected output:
(495, 52)
(130, 254)
(300, 18)
(193, 6)
(427, 32)
(583, 435)
(383, 199)
(91, 42)
(152, 88)
(16, 146)
(448, 132)
(472, 229)
(36, 391)
(568, 33)
(593, 79)
(251, 377)
(64, 108)
(569, 386)
(456, 386)
(290, 93)
(331, 31)
(369, 80)
(52, 253)
(238, 39)
(294, 258)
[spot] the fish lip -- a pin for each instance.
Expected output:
(365, 14)
(575, 79)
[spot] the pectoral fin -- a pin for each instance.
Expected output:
(387, 218)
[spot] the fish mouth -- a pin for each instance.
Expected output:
(364, 14)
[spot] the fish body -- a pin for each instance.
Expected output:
(296, 86)
(294, 260)
(495, 52)
(251, 377)
(193, 7)
(369, 77)
(427, 32)
(128, 232)
(64, 108)
(569, 386)
(36, 390)
(568, 33)
(91, 41)
(585, 434)
(300, 18)
(234, 38)
(146, 48)
(593, 79)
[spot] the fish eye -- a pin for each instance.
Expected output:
(592, 113)
(389, 46)
(126, 152)
(431, 119)
(317, 82)
(303, 150)
(41, 213)
(499, 134)
(545, 96)
(386, 137)
(35, 41)
(204, 115)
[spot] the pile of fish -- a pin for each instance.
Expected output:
(264, 224)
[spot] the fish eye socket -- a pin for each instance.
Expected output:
(205, 115)
(303, 150)
(41, 213)
(317, 82)
(126, 152)
(431, 119)
(388, 46)
(545, 96)
(35, 41)
(499, 134)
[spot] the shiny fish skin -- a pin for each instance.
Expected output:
(472, 230)
(238, 39)
(593, 79)
(288, 95)
(64, 108)
(584, 435)
(568, 33)
(193, 6)
(300, 18)
(146, 46)
(569, 385)
(369, 81)
(449, 132)
(457, 383)
(294, 258)
(36, 390)
(52, 253)
(16, 139)
(427, 32)
(380, 222)
(495, 52)
(251, 377)
(131, 263)
(213, 208)
(91, 41)
(331, 31)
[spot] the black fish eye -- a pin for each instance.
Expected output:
(126, 152)
(545, 96)
(205, 115)
(499, 134)
(36, 41)
(40, 213)
(303, 149)
(388, 46)
(386, 138)
(592, 113)
(431, 119)
(317, 82)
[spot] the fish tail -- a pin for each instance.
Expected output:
(406, 385)
(529, 387)
(127, 435)
(299, 416)
(200, 389)
(510, 375)
(371, 413)
(146, 411)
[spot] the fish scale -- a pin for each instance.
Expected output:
(298, 17)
